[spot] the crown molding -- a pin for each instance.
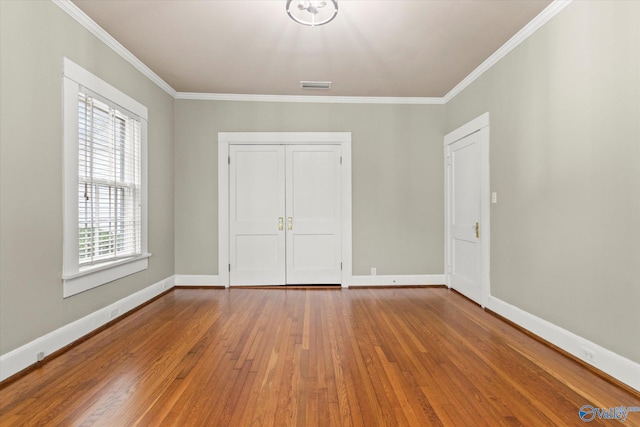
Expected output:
(308, 98)
(543, 17)
(83, 19)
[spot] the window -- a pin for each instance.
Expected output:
(108, 183)
(105, 182)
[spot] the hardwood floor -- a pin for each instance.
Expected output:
(307, 357)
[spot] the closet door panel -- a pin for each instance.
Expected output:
(313, 200)
(256, 215)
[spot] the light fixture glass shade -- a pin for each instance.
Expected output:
(312, 12)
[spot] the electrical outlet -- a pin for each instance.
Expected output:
(587, 354)
(113, 313)
(373, 271)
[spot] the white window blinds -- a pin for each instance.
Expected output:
(109, 192)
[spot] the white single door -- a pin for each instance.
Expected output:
(313, 214)
(256, 215)
(464, 216)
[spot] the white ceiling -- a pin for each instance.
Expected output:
(394, 48)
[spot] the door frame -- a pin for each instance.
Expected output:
(225, 139)
(481, 125)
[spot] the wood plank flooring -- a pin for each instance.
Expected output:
(307, 357)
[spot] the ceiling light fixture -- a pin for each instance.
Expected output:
(312, 12)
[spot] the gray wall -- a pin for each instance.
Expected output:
(565, 156)
(397, 177)
(565, 161)
(34, 37)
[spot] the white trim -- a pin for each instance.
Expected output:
(346, 220)
(545, 16)
(105, 266)
(21, 358)
(198, 280)
(85, 280)
(223, 211)
(74, 80)
(85, 78)
(467, 129)
(485, 211)
(70, 176)
(619, 367)
(83, 19)
(386, 280)
(285, 138)
(310, 99)
(534, 25)
(479, 124)
(398, 280)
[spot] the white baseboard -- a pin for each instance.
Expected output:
(21, 358)
(391, 280)
(197, 280)
(398, 280)
(619, 367)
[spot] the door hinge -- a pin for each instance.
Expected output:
(340, 159)
(229, 267)
(229, 158)
(340, 266)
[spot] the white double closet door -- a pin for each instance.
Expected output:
(284, 214)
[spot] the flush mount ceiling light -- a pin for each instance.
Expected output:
(312, 12)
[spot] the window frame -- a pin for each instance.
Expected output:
(78, 279)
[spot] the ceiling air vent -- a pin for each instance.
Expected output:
(315, 85)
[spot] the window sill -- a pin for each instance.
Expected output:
(101, 274)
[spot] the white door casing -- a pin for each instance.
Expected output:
(227, 140)
(467, 225)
